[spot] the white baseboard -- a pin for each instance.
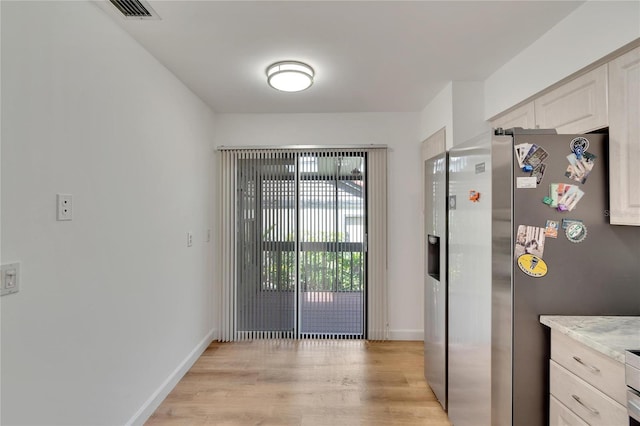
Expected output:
(406, 335)
(154, 401)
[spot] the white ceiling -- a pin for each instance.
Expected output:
(369, 56)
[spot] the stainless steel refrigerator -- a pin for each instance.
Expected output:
(528, 235)
(435, 289)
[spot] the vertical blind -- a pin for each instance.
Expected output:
(378, 321)
(296, 258)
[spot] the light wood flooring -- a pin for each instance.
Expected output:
(305, 383)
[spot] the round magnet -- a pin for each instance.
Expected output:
(532, 265)
(579, 142)
(576, 232)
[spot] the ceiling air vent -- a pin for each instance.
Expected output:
(135, 9)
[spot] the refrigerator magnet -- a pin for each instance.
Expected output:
(529, 240)
(521, 152)
(576, 232)
(580, 165)
(551, 229)
(528, 182)
(538, 172)
(535, 157)
(579, 144)
(532, 265)
(567, 197)
(474, 196)
(567, 222)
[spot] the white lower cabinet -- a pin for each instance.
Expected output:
(584, 386)
(600, 371)
(560, 415)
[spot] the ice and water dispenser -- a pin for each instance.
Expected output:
(433, 256)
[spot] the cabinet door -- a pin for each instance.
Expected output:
(576, 107)
(624, 139)
(523, 116)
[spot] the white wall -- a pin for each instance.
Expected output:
(438, 114)
(592, 31)
(468, 111)
(459, 108)
(397, 130)
(113, 302)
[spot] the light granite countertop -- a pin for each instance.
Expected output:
(608, 335)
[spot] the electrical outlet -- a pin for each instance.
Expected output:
(10, 278)
(65, 207)
(189, 239)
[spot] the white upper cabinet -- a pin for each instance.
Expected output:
(578, 106)
(523, 116)
(624, 138)
(607, 96)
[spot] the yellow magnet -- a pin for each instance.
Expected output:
(532, 265)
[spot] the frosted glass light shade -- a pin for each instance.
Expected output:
(290, 76)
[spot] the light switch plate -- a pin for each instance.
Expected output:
(10, 278)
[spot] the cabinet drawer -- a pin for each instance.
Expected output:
(559, 415)
(593, 367)
(587, 402)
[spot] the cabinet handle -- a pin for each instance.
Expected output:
(592, 410)
(590, 367)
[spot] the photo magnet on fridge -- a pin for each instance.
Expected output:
(529, 240)
(564, 197)
(580, 165)
(551, 229)
(536, 157)
(570, 198)
(538, 172)
(521, 151)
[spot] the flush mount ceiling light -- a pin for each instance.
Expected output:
(290, 76)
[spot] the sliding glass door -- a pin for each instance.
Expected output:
(266, 245)
(331, 244)
(301, 252)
